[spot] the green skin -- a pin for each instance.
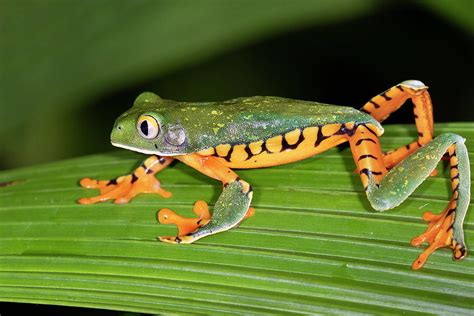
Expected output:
(187, 128)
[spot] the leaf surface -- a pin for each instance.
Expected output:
(314, 245)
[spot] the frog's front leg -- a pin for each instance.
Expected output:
(125, 188)
(387, 189)
(230, 209)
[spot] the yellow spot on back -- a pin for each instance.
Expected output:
(330, 129)
(310, 133)
(223, 150)
(274, 144)
(256, 147)
(239, 153)
(293, 136)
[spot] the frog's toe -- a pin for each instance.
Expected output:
(113, 193)
(177, 239)
(89, 183)
(186, 225)
(440, 233)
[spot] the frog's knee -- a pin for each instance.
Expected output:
(416, 85)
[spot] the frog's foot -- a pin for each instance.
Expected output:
(188, 225)
(125, 188)
(438, 234)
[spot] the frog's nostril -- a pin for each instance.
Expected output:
(119, 127)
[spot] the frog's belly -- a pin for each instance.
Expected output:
(292, 146)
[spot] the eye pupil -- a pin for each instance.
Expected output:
(147, 126)
(144, 128)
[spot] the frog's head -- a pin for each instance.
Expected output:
(144, 128)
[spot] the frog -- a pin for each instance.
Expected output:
(215, 138)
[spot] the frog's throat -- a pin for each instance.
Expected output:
(140, 150)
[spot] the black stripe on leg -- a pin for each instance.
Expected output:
(134, 178)
(368, 172)
(385, 96)
(451, 211)
(147, 170)
(112, 182)
(399, 87)
(370, 130)
(365, 139)
(366, 156)
(456, 188)
(376, 105)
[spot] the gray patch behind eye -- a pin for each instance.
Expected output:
(175, 135)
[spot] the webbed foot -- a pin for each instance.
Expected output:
(438, 234)
(188, 225)
(125, 188)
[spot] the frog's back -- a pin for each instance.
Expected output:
(251, 119)
(259, 132)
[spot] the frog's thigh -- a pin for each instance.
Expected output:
(231, 206)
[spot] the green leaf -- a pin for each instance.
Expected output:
(314, 245)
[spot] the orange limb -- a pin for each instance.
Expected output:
(125, 188)
(187, 225)
(384, 104)
(365, 147)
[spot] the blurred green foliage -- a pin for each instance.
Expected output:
(68, 68)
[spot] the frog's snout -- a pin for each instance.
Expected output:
(118, 132)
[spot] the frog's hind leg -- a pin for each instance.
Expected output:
(232, 206)
(387, 189)
(125, 188)
(384, 104)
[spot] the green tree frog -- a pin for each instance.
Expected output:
(254, 132)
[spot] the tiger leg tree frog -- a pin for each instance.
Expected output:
(217, 137)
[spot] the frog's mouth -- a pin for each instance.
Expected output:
(140, 150)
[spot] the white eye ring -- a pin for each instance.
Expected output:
(148, 126)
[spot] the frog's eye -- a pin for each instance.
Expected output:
(148, 126)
